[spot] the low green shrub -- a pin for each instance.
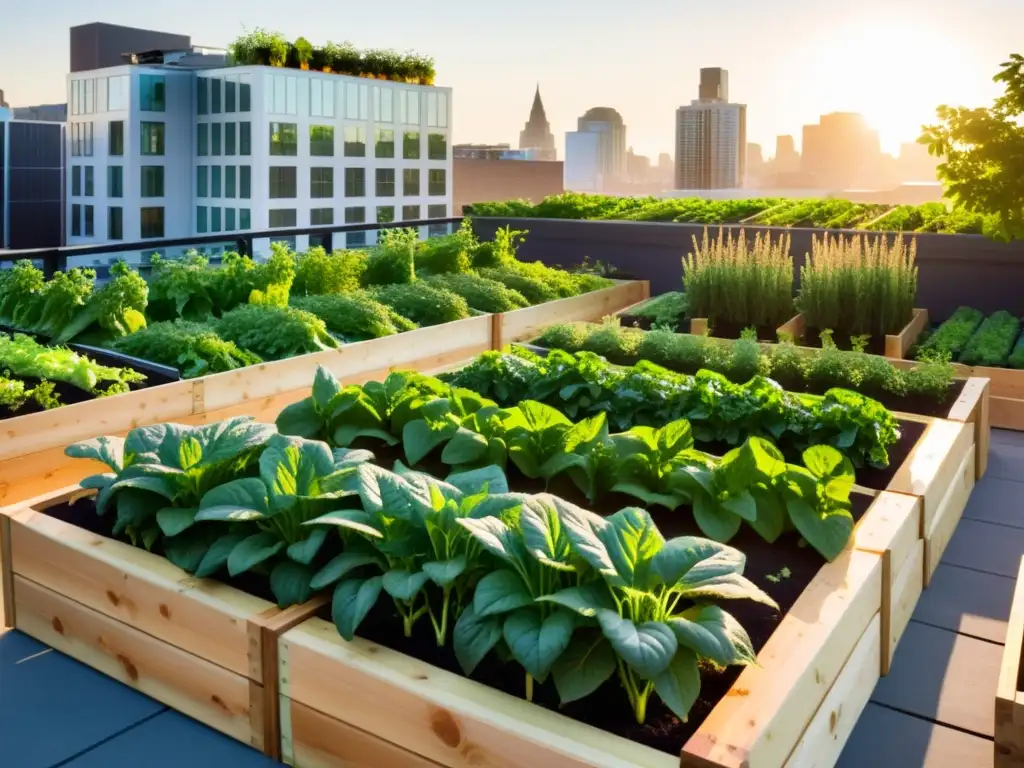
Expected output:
(535, 290)
(447, 254)
(1016, 358)
(950, 338)
(274, 332)
(192, 348)
(354, 316)
(318, 272)
(392, 261)
(422, 303)
(992, 343)
(481, 293)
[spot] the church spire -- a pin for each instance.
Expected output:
(537, 133)
(537, 111)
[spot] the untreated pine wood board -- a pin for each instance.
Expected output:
(217, 697)
(973, 406)
(313, 740)
(945, 677)
(906, 592)
(1007, 413)
(823, 741)
(986, 547)
(948, 515)
(896, 345)
(885, 738)
(968, 602)
(1009, 704)
(526, 323)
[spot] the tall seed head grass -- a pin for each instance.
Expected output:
(746, 282)
(859, 284)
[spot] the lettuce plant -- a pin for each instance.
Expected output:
(418, 553)
(160, 473)
(655, 604)
(299, 480)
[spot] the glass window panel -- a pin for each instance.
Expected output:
(152, 138)
(151, 222)
(284, 139)
(245, 138)
(202, 96)
(411, 145)
(116, 131)
(202, 139)
(355, 182)
(355, 141)
(230, 94)
(384, 144)
(115, 223)
(201, 225)
(321, 140)
(244, 182)
(215, 130)
(151, 95)
(215, 177)
(244, 94)
(229, 181)
(229, 138)
(411, 182)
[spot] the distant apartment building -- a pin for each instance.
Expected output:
(174, 147)
(477, 180)
(31, 184)
(841, 151)
(711, 137)
(595, 153)
(50, 113)
(536, 136)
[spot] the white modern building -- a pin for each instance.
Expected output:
(711, 137)
(169, 151)
(595, 153)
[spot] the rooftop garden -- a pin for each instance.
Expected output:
(273, 49)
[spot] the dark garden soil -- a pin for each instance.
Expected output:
(645, 323)
(812, 338)
(723, 330)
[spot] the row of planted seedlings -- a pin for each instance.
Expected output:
(599, 535)
(195, 338)
(856, 292)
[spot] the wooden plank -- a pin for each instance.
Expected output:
(522, 324)
(945, 677)
(775, 701)
(931, 467)
(795, 327)
(1007, 412)
(1009, 714)
(1006, 382)
(906, 592)
(139, 588)
(438, 715)
(699, 326)
(209, 693)
(823, 741)
(423, 348)
(37, 474)
(889, 739)
(6, 575)
(972, 406)
(948, 515)
(314, 740)
(896, 345)
(107, 415)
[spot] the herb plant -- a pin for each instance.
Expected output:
(274, 333)
(992, 343)
(354, 316)
(192, 348)
(949, 340)
(422, 303)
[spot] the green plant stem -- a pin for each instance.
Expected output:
(529, 687)
(441, 627)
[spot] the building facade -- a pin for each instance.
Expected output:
(31, 184)
(536, 136)
(595, 153)
(163, 151)
(711, 137)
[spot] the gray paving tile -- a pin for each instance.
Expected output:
(52, 707)
(1007, 437)
(968, 602)
(885, 738)
(1006, 459)
(996, 500)
(171, 740)
(986, 547)
(943, 676)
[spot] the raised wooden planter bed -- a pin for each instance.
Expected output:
(32, 460)
(358, 703)
(203, 648)
(1009, 712)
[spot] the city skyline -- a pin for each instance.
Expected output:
(789, 66)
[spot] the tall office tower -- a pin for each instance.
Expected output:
(714, 84)
(711, 137)
(537, 133)
(595, 153)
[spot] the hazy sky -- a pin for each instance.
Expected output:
(788, 60)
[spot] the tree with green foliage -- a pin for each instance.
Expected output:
(983, 154)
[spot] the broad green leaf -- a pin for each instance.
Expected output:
(160, 484)
(678, 686)
(771, 515)
(647, 648)
(500, 592)
(291, 466)
(583, 529)
(586, 599)
(352, 600)
(490, 479)
(537, 642)
(823, 460)
(347, 434)
(768, 460)
(342, 565)
(289, 581)
(559, 463)
(252, 551)
(714, 634)
(419, 439)
(584, 667)
(134, 507)
(99, 482)
(632, 539)
(174, 520)
(649, 497)
(190, 453)
(352, 519)
(540, 524)
(304, 551)
(187, 549)
(473, 637)
(717, 579)
(828, 533)
(345, 458)
(109, 450)
(216, 556)
(539, 416)
(587, 431)
(495, 536)
(325, 387)
(444, 572)
(742, 505)
(715, 521)
(403, 585)
(682, 555)
(674, 438)
(236, 500)
(465, 447)
(300, 419)
(228, 439)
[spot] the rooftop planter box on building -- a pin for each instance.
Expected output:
(769, 212)
(273, 49)
(991, 347)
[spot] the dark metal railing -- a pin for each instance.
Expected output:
(56, 259)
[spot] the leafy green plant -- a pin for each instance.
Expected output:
(536, 290)
(952, 336)
(746, 283)
(14, 394)
(499, 252)
(667, 308)
(447, 254)
(1016, 358)
(26, 357)
(159, 474)
(480, 293)
(273, 332)
(318, 272)
(391, 262)
(992, 343)
(192, 348)
(354, 316)
(422, 303)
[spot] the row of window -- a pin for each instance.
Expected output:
(284, 141)
(99, 94)
(215, 95)
(212, 220)
(284, 182)
(83, 222)
(283, 218)
(151, 182)
(222, 138)
(235, 182)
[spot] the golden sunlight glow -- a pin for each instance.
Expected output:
(893, 72)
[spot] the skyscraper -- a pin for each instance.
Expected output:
(711, 137)
(537, 133)
(841, 152)
(595, 153)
